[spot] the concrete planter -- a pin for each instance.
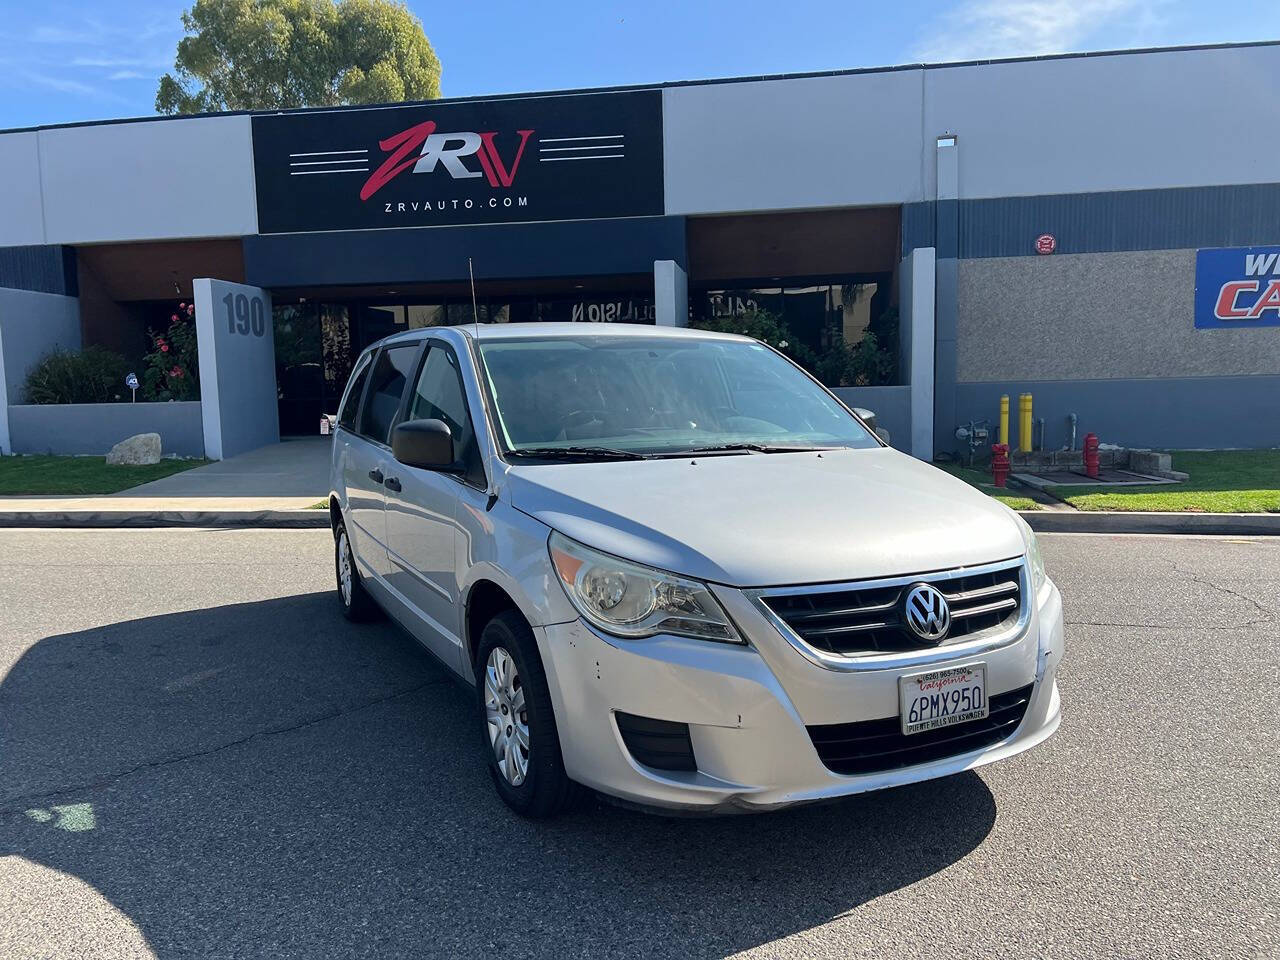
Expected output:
(94, 428)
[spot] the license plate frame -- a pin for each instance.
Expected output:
(950, 694)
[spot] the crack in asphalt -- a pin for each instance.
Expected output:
(107, 779)
(1266, 615)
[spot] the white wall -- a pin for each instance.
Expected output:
(916, 284)
(115, 182)
(1073, 125)
(21, 217)
(782, 144)
(1181, 118)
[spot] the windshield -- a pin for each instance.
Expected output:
(613, 396)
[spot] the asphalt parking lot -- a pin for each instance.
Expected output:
(199, 757)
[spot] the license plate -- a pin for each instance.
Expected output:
(943, 698)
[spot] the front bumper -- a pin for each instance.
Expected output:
(747, 708)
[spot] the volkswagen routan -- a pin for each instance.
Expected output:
(677, 570)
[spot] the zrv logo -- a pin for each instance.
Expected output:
(511, 160)
(1238, 288)
(447, 150)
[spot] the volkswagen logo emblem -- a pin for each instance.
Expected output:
(927, 613)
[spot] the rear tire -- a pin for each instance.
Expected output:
(517, 722)
(357, 605)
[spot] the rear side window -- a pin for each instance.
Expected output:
(391, 373)
(347, 417)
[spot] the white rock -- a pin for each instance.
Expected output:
(141, 448)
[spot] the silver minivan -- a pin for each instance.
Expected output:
(677, 570)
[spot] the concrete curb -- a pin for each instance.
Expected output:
(110, 519)
(1042, 521)
(1205, 524)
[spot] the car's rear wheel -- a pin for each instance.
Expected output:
(521, 742)
(357, 605)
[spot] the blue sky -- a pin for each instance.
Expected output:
(69, 60)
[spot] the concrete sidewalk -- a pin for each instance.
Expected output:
(269, 487)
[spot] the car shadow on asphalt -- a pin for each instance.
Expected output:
(266, 779)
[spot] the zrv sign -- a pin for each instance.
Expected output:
(485, 161)
(1238, 288)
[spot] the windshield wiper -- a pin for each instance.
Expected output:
(577, 453)
(749, 448)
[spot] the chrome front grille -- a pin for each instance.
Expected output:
(863, 619)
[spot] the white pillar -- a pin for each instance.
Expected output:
(916, 296)
(5, 447)
(670, 294)
(236, 340)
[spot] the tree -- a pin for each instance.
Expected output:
(276, 54)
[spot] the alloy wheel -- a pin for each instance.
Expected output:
(506, 716)
(344, 568)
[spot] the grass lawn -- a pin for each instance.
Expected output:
(58, 476)
(982, 480)
(1229, 481)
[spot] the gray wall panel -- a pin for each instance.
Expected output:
(891, 405)
(1094, 316)
(44, 269)
(147, 181)
(1230, 216)
(31, 326)
(783, 144)
(1170, 414)
(93, 428)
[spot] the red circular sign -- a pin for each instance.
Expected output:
(1046, 243)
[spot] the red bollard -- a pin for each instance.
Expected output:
(999, 463)
(1090, 454)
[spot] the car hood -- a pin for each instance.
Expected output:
(772, 519)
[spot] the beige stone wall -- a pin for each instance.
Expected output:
(1095, 316)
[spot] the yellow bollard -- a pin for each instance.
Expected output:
(1004, 419)
(1024, 423)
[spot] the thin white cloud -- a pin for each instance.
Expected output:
(127, 75)
(981, 29)
(64, 85)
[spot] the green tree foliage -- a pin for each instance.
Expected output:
(277, 54)
(91, 375)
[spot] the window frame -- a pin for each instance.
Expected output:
(363, 362)
(404, 397)
(436, 343)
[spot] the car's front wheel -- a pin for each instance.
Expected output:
(357, 605)
(521, 743)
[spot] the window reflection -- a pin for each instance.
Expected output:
(842, 330)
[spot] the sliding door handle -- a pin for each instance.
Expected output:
(393, 484)
(375, 475)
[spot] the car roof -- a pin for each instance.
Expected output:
(542, 331)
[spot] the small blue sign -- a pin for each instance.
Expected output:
(1238, 288)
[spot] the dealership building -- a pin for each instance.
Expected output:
(1101, 231)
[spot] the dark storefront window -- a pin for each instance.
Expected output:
(841, 329)
(317, 343)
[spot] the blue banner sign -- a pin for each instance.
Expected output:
(1238, 288)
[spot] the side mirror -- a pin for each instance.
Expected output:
(427, 444)
(868, 417)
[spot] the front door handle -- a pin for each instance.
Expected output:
(375, 475)
(393, 484)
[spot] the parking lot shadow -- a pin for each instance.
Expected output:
(264, 779)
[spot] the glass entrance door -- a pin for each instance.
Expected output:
(314, 356)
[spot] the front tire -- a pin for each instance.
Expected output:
(357, 605)
(517, 722)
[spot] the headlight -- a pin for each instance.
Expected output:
(1038, 576)
(630, 600)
